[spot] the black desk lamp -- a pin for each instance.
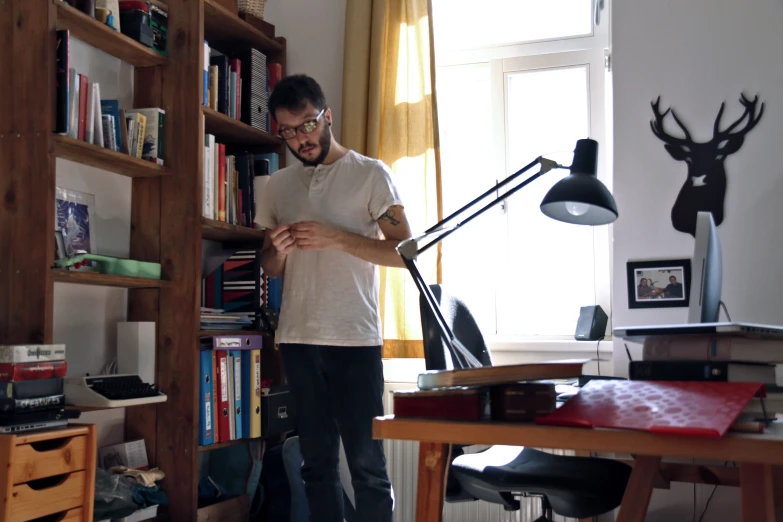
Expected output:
(579, 198)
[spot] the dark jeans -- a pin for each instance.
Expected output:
(338, 391)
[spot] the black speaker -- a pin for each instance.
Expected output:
(591, 325)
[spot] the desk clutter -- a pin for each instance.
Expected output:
(31, 387)
(694, 385)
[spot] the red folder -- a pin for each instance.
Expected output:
(694, 408)
(221, 381)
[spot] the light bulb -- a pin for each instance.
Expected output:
(576, 209)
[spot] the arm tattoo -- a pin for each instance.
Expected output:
(389, 216)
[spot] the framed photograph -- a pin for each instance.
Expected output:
(73, 214)
(659, 283)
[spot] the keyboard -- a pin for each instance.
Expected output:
(110, 391)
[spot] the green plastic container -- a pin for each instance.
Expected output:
(115, 266)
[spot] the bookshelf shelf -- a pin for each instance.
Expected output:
(212, 333)
(88, 154)
(232, 131)
(101, 36)
(220, 231)
(93, 278)
(219, 445)
(226, 31)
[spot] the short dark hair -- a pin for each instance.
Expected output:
(293, 93)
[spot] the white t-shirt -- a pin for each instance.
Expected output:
(330, 297)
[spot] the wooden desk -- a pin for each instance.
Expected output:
(759, 457)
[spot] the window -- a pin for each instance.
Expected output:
(518, 79)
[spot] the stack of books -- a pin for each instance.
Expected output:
(217, 319)
(514, 393)
(718, 358)
(31, 387)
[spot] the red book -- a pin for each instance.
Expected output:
(221, 182)
(221, 381)
(693, 408)
(10, 372)
(452, 403)
(82, 106)
(275, 74)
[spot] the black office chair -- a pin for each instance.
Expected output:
(577, 487)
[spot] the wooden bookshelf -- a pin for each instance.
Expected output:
(220, 231)
(166, 206)
(88, 154)
(234, 132)
(93, 278)
(227, 32)
(91, 31)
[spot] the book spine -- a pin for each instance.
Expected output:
(31, 389)
(30, 405)
(678, 371)
(63, 65)
(32, 371)
(31, 353)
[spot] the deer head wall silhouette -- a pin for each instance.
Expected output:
(705, 187)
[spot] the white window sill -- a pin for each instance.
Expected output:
(549, 345)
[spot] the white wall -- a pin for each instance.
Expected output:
(697, 54)
(314, 33)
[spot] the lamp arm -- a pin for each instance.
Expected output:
(432, 304)
(409, 249)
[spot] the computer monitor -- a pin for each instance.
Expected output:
(707, 272)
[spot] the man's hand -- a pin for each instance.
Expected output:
(311, 235)
(282, 239)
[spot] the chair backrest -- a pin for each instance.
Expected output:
(438, 354)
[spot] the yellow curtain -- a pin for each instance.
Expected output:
(389, 113)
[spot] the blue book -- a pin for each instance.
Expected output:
(206, 432)
(247, 382)
(236, 356)
(272, 158)
(112, 107)
(205, 99)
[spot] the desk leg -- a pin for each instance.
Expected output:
(639, 489)
(757, 493)
(432, 482)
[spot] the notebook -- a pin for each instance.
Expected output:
(701, 409)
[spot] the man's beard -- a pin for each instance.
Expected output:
(324, 141)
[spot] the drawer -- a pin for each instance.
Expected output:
(47, 496)
(48, 458)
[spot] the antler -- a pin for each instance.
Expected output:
(750, 109)
(658, 127)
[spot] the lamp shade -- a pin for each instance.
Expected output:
(580, 198)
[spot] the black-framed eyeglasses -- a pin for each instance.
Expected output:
(305, 128)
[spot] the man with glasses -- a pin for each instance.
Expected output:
(331, 221)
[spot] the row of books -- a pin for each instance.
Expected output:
(236, 290)
(31, 386)
(232, 182)
(83, 115)
(239, 85)
(718, 358)
(230, 389)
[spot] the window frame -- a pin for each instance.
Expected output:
(593, 51)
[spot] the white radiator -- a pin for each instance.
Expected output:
(402, 458)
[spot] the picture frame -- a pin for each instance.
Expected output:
(662, 283)
(74, 215)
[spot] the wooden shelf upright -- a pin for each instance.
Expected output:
(166, 222)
